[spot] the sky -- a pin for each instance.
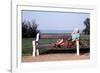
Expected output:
(55, 20)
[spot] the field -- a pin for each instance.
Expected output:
(53, 54)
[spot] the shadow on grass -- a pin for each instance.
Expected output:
(64, 51)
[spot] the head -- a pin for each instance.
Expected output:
(76, 30)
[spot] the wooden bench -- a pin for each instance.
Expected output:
(37, 46)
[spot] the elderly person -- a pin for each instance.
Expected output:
(63, 42)
(75, 37)
(75, 34)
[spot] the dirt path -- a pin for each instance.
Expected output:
(55, 57)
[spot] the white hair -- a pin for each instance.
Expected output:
(76, 30)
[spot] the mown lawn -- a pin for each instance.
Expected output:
(27, 43)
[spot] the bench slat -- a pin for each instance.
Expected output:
(52, 46)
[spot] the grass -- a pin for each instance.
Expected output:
(27, 43)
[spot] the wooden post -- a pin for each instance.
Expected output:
(37, 37)
(37, 52)
(77, 47)
(34, 48)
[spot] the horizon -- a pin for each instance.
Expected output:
(57, 31)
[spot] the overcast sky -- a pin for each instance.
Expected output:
(56, 20)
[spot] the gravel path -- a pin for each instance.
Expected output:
(55, 57)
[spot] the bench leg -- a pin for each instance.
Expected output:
(37, 52)
(77, 47)
(34, 48)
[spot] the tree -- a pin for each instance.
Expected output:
(24, 29)
(34, 28)
(29, 29)
(87, 24)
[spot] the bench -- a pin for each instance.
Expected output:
(37, 46)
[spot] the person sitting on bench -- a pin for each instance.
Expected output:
(75, 37)
(63, 42)
(75, 34)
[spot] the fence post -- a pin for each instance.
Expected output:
(34, 48)
(77, 47)
(37, 37)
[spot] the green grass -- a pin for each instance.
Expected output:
(27, 43)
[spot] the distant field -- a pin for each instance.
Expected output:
(27, 43)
